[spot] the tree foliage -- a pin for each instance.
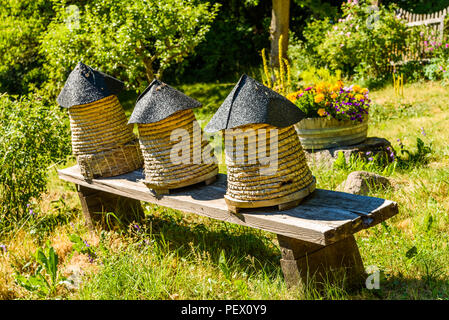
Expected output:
(133, 40)
(21, 24)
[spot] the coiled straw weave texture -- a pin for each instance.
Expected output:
(156, 141)
(102, 141)
(245, 181)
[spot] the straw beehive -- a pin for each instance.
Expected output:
(166, 125)
(258, 122)
(102, 141)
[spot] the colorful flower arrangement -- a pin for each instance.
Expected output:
(333, 100)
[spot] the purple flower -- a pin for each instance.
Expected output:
(423, 132)
(85, 242)
(368, 153)
(308, 88)
(3, 247)
(90, 258)
(370, 159)
(31, 212)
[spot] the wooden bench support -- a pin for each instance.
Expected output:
(96, 204)
(303, 262)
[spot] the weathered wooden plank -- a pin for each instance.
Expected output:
(324, 217)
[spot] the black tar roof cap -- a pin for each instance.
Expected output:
(250, 102)
(160, 101)
(86, 85)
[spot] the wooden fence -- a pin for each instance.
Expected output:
(431, 29)
(433, 21)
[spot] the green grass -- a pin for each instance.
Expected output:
(177, 255)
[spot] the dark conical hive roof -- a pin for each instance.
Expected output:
(250, 102)
(160, 101)
(86, 85)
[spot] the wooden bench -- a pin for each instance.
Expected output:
(316, 237)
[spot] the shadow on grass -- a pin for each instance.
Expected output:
(245, 248)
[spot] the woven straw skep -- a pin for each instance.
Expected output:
(102, 141)
(245, 181)
(157, 146)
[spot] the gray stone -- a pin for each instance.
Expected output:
(368, 148)
(360, 182)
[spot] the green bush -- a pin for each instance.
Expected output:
(21, 24)
(132, 40)
(364, 41)
(32, 136)
(438, 68)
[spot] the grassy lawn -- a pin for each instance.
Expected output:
(175, 255)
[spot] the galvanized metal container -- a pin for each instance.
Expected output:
(323, 133)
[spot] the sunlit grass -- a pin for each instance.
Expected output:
(177, 255)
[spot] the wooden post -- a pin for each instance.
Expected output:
(303, 262)
(97, 204)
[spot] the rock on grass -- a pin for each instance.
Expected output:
(360, 182)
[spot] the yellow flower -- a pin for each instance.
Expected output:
(320, 87)
(365, 90)
(335, 88)
(356, 88)
(292, 96)
(321, 112)
(334, 95)
(319, 97)
(359, 97)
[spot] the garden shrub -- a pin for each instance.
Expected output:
(364, 41)
(361, 43)
(131, 40)
(33, 135)
(21, 23)
(438, 67)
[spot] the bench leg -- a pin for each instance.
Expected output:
(303, 262)
(96, 204)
